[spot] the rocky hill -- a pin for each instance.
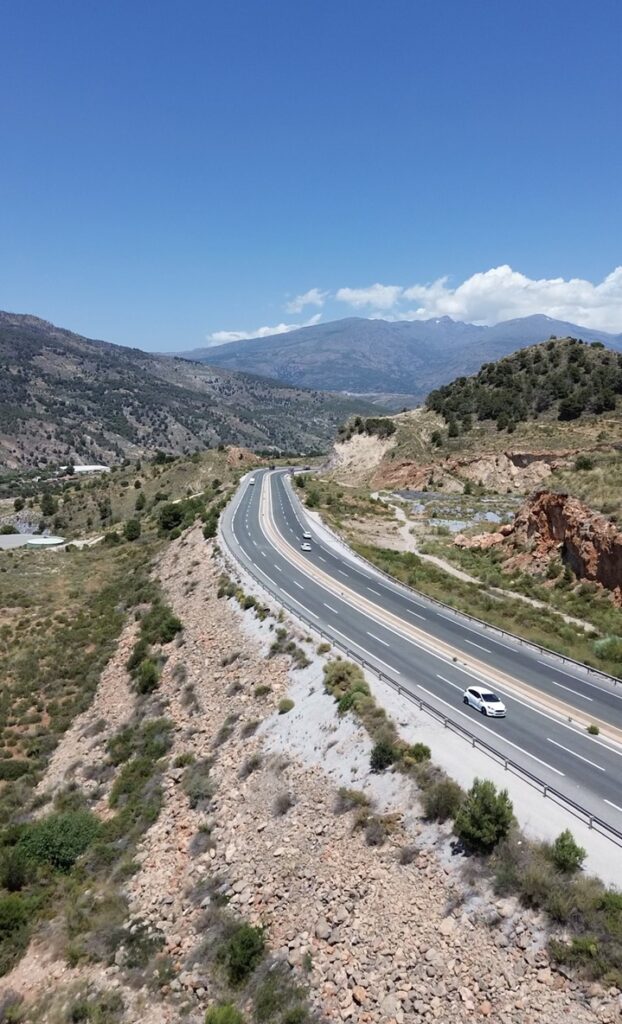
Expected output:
(64, 396)
(559, 379)
(399, 361)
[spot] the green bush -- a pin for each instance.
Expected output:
(442, 800)
(197, 784)
(160, 625)
(131, 530)
(170, 516)
(566, 854)
(418, 752)
(485, 816)
(224, 1013)
(242, 952)
(14, 869)
(382, 756)
(350, 800)
(147, 676)
(285, 705)
(12, 770)
(13, 915)
(59, 839)
(593, 730)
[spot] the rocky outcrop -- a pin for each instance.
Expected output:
(516, 472)
(552, 526)
(558, 525)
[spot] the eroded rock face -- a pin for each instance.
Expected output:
(517, 472)
(551, 525)
(585, 540)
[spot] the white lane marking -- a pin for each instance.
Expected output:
(321, 559)
(374, 657)
(473, 644)
(342, 573)
(330, 608)
(278, 567)
(611, 804)
(577, 679)
(576, 692)
(574, 754)
(478, 632)
(411, 612)
(297, 584)
(455, 685)
(496, 734)
(372, 591)
(472, 674)
(296, 601)
(377, 639)
(264, 554)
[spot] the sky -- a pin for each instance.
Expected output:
(179, 175)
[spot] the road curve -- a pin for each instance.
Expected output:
(434, 653)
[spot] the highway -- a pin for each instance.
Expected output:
(435, 653)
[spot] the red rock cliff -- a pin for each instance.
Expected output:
(552, 524)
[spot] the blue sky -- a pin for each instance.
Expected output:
(170, 172)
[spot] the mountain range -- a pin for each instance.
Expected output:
(64, 396)
(398, 362)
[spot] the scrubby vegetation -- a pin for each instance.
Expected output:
(380, 426)
(559, 378)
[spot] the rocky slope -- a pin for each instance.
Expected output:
(552, 527)
(376, 941)
(63, 396)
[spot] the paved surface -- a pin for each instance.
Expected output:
(435, 653)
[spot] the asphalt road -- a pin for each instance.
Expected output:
(407, 638)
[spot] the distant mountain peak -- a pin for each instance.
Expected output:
(403, 358)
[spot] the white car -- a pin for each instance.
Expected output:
(306, 535)
(484, 700)
(252, 480)
(305, 546)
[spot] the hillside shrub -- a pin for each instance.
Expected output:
(131, 530)
(566, 854)
(160, 624)
(224, 1013)
(197, 784)
(442, 800)
(147, 676)
(382, 756)
(242, 952)
(59, 839)
(485, 817)
(170, 516)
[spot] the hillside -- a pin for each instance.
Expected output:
(547, 415)
(399, 361)
(64, 396)
(561, 379)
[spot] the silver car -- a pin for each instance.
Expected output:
(484, 701)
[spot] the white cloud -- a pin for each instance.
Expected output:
(500, 294)
(378, 296)
(224, 337)
(314, 297)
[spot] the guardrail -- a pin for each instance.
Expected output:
(465, 615)
(549, 792)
